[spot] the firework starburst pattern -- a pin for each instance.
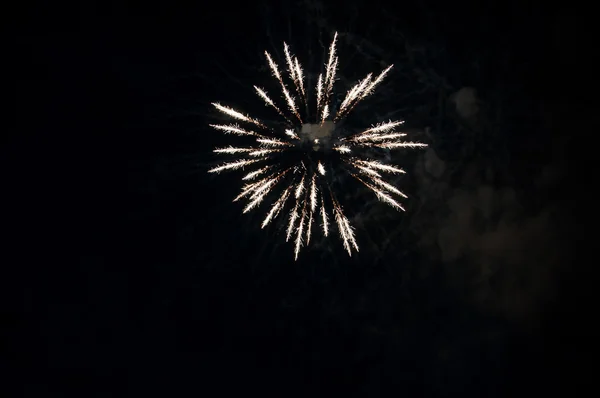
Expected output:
(292, 161)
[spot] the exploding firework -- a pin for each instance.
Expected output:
(292, 159)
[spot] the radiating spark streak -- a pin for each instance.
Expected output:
(357, 94)
(331, 66)
(362, 85)
(263, 187)
(321, 168)
(255, 173)
(290, 133)
(332, 77)
(350, 233)
(309, 227)
(270, 102)
(313, 194)
(261, 191)
(263, 152)
(406, 144)
(300, 187)
(233, 129)
(380, 166)
(237, 115)
(319, 93)
(382, 196)
(325, 113)
(300, 230)
(300, 76)
(273, 66)
(378, 137)
(251, 188)
(353, 96)
(272, 142)
(289, 61)
(292, 220)
(288, 97)
(257, 199)
(342, 227)
(276, 207)
(370, 88)
(388, 186)
(233, 150)
(248, 188)
(325, 223)
(294, 69)
(383, 127)
(287, 195)
(232, 166)
(367, 170)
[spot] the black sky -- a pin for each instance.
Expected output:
(130, 273)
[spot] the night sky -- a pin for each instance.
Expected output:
(129, 271)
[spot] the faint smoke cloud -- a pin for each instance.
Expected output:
(433, 164)
(501, 255)
(509, 258)
(466, 102)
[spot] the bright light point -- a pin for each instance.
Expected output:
(291, 134)
(321, 169)
(343, 149)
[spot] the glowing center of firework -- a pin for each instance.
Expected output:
(318, 134)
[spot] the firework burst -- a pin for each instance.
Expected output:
(290, 161)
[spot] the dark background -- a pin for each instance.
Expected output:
(128, 271)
